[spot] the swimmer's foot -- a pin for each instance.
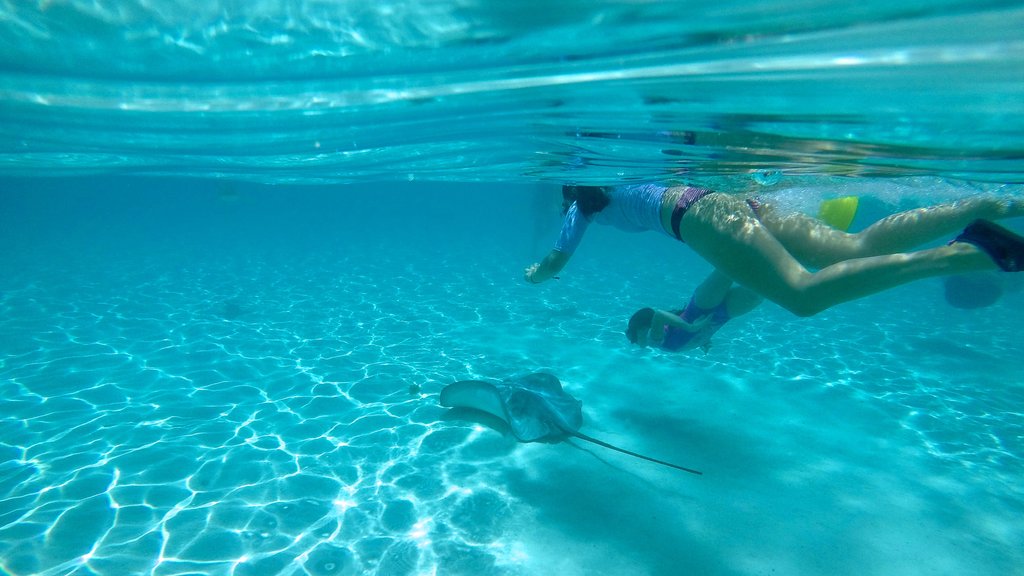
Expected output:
(1004, 247)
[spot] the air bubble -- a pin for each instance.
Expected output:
(767, 177)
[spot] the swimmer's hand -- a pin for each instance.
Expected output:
(529, 272)
(546, 268)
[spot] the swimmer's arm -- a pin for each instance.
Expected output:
(551, 264)
(663, 318)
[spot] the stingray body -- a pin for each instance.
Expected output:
(534, 406)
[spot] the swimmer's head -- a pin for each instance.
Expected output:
(589, 199)
(639, 324)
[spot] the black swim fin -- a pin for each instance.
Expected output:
(1004, 247)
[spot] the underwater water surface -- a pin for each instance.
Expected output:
(246, 244)
(333, 92)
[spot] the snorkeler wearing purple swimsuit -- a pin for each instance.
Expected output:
(714, 302)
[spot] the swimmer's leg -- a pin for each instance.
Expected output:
(712, 291)
(817, 245)
(743, 248)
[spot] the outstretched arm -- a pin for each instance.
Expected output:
(573, 227)
(551, 264)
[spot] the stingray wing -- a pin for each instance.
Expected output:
(534, 406)
(527, 416)
(523, 410)
(538, 408)
(538, 382)
(475, 394)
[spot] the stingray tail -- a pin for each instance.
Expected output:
(641, 456)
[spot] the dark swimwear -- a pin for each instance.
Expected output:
(1004, 247)
(678, 338)
(690, 195)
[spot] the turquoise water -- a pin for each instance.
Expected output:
(246, 244)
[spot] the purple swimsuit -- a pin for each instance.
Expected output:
(680, 339)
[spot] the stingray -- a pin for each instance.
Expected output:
(535, 408)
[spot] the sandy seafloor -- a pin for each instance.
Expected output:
(199, 381)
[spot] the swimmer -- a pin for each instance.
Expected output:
(795, 260)
(714, 302)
